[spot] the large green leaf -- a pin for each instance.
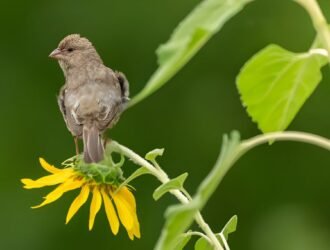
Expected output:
(180, 217)
(175, 183)
(275, 83)
(190, 35)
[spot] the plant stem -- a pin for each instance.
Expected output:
(319, 21)
(163, 178)
(243, 147)
(224, 241)
(207, 230)
(286, 136)
(195, 233)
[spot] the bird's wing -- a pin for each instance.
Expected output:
(113, 99)
(109, 117)
(124, 85)
(68, 113)
(60, 102)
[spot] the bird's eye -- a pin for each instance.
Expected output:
(70, 49)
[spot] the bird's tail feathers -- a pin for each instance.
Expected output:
(93, 146)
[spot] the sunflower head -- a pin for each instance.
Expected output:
(102, 180)
(104, 172)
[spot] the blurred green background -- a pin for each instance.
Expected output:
(281, 193)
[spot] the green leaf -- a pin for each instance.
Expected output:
(176, 183)
(180, 217)
(140, 171)
(152, 155)
(230, 227)
(182, 242)
(229, 154)
(187, 39)
(203, 244)
(275, 83)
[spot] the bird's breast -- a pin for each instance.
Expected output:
(91, 101)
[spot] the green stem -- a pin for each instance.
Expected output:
(195, 233)
(286, 136)
(319, 21)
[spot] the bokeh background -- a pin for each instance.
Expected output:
(281, 193)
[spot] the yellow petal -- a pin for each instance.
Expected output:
(27, 182)
(125, 211)
(136, 228)
(95, 206)
(48, 180)
(129, 197)
(78, 202)
(49, 168)
(130, 235)
(134, 232)
(60, 190)
(111, 213)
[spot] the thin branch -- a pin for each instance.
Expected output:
(224, 241)
(319, 21)
(286, 136)
(195, 233)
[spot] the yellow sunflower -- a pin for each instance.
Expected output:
(91, 179)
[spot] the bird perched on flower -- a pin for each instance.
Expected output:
(93, 96)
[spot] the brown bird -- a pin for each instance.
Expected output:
(93, 96)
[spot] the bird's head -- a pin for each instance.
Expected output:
(74, 51)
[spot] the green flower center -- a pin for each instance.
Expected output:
(104, 172)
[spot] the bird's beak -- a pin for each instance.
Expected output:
(55, 53)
